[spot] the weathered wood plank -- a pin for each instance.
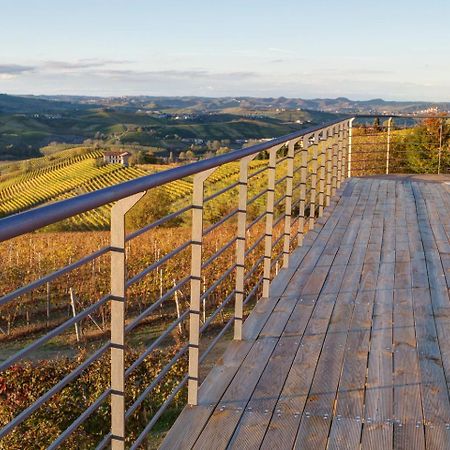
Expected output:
(251, 428)
(435, 398)
(349, 409)
(408, 426)
(347, 423)
(284, 423)
(408, 418)
(352, 348)
(315, 424)
(226, 415)
(378, 429)
(191, 421)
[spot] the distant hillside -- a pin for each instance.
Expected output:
(34, 105)
(188, 103)
(30, 123)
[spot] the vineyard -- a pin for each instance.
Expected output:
(53, 303)
(76, 171)
(158, 278)
(47, 307)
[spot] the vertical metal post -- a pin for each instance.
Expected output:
(196, 283)
(288, 202)
(328, 165)
(339, 155)
(441, 132)
(334, 146)
(269, 218)
(322, 153)
(241, 239)
(312, 203)
(388, 149)
(303, 175)
(349, 150)
(118, 294)
(344, 150)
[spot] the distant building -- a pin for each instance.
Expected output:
(116, 158)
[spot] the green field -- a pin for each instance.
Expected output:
(29, 124)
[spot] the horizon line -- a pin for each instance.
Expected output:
(221, 97)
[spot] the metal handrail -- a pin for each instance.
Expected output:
(324, 160)
(36, 218)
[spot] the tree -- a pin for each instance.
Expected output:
(422, 146)
(213, 145)
(376, 124)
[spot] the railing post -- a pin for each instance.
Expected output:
(349, 148)
(288, 202)
(241, 240)
(334, 146)
(118, 295)
(328, 166)
(441, 132)
(302, 200)
(388, 150)
(196, 283)
(322, 154)
(269, 218)
(312, 203)
(339, 155)
(344, 150)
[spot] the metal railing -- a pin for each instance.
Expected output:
(276, 202)
(400, 144)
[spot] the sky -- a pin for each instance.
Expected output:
(396, 50)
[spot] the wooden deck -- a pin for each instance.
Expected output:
(352, 349)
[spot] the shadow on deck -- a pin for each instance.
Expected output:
(352, 347)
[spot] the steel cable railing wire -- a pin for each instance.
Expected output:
(34, 219)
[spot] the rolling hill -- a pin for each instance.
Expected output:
(29, 123)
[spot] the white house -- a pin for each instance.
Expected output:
(116, 158)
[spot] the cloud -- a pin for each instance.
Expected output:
(280, 50)
(175, 75)
(80, 64)
(121, 77)
(8, 71)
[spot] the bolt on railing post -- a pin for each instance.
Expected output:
(269, 218)
(288, 202)
(322, 154)
(349, 148)
(196, 283)
(441, 132)
(118, 295)
(328, 166)
(312, 203)
(388, 149)
(302, 200)
(241, 240)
